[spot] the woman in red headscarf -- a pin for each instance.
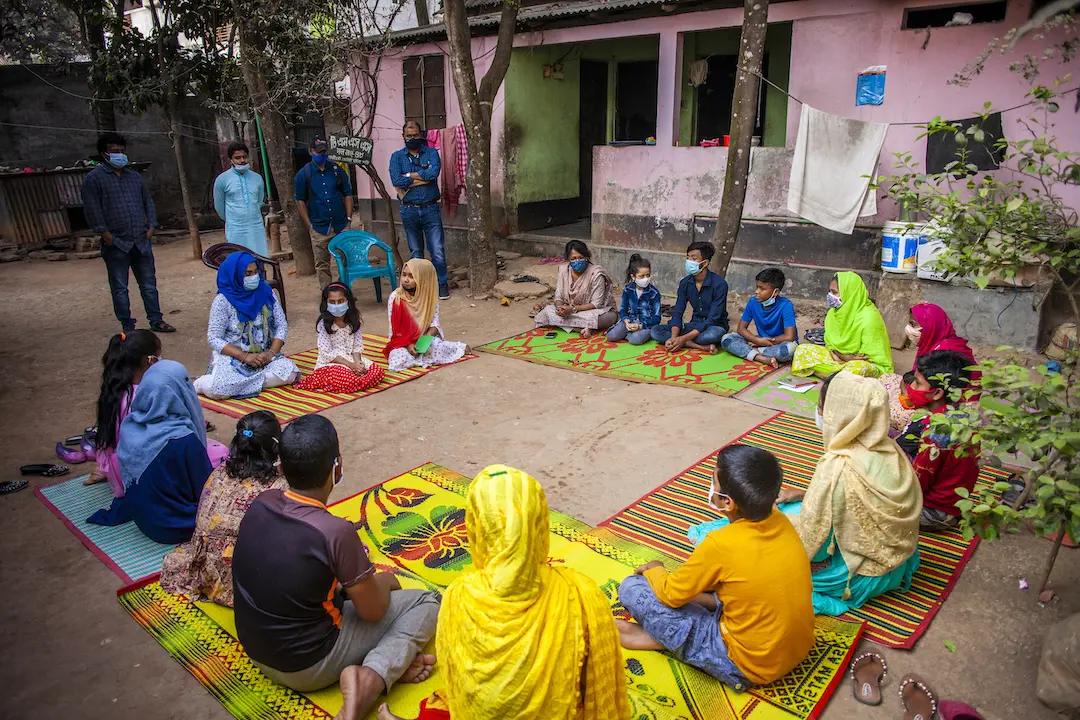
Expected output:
(929, 329)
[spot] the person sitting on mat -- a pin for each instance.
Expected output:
(706, 292)
(311, 609)
(163, 458)
(341, 366)
(520, 637)
(940, 466)
(584, 295)
(855, 336)
(246, 333)
(774, 322)
(639, 311)
(202, 567)
(416, 337)
(129, 355)
(859, 519)
(739, 608)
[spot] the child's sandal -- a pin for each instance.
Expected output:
(920, 702)
(868, 671)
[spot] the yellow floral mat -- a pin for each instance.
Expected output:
(414, 525)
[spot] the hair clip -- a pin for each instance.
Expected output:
(123, 336)
(247, 433)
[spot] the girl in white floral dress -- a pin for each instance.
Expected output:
(413, 309)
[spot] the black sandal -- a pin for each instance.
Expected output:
(44, 469)
(12, 486)
(162, 327)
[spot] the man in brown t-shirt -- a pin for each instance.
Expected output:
(310, 607)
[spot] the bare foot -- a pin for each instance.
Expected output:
(633, 637)
(713, 350)
(771, 362)
(385, 714)
(586, 333)
(96, 476)
(420, 670)
(360, 689)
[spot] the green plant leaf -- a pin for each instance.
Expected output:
(950, 646)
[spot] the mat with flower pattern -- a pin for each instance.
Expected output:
(721, 374)
(289, 403)
(414, 525)
(660, 521)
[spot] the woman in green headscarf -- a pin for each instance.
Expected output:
(855, 335)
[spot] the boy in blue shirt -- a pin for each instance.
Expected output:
(774, 322)
(706, 292)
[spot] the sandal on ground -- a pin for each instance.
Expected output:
(74, 440)
(11, 486)
(867, 671)
(955, 710)
(44, 470)
(920, 702)
(68, 455)
(210, 427)
(162, 327)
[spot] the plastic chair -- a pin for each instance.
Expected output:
(214, 255)
(351, 249)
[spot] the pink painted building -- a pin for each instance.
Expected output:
(590, 81)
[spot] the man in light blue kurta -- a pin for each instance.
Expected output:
(238, 199)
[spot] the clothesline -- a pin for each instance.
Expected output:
(923, 122)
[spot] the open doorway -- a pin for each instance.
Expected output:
(592, 128)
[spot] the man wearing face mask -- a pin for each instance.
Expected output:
(414, 171)
(117, 204)
(323, 195)
(238, 199)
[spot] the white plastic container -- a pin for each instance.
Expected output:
(930, 246)
(900, 247)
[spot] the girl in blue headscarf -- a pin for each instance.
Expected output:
(246, 333)
(162, 455)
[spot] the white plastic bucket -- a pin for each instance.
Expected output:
(930, 246)
(900, 247)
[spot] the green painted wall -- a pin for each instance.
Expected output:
(699, 45)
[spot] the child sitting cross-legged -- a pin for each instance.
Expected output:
(940, 466)
(341, 366)
(774, 322)
(740, 607)
(639, 311)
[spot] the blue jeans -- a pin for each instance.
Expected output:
(690, 633)
(709, 336)
(737, 345)
(618, 332)
(117, 263)
(425, 223)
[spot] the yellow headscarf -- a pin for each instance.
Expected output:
(513, 631)
(422, 303)
(864, 488)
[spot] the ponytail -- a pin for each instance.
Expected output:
(123, 358)
(254, 449)
(636, 263)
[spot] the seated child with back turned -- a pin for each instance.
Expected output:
(774, 322)
(740, 607)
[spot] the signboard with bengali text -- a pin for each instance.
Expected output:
(350, 149)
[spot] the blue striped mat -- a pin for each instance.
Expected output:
(126, 551)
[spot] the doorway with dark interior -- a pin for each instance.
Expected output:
(592, 127)
(635, 101)
(713, 119)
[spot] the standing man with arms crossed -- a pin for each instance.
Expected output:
(118, 206)
(414, 171)
(324, 200)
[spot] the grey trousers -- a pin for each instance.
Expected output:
(388, 647)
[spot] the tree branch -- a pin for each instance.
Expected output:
(504, 47)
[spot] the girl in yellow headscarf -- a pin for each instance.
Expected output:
(416, 337)
(855, 336)
(517, 638)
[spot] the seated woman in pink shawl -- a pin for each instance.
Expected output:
(930, 329)
(584, 298)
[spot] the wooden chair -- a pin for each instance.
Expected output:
(214, 255)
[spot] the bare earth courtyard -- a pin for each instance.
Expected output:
(596, 445)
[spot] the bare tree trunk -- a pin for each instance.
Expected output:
(278, 145)
(422, 16)
(1045, 581)
(380, 187)
(743, 118)
(104, 110)
(476, 104)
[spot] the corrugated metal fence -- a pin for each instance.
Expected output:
(34, 206)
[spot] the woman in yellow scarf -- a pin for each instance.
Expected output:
(517, 638)
(416, 337)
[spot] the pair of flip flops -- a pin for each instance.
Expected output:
(920, 701)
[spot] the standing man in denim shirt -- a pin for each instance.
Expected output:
(323, 195)
(118, 206)
(414, 171)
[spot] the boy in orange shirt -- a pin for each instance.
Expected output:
(740, 607)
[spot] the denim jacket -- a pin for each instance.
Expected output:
(644, 310)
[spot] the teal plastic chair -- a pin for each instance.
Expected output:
(351, 249)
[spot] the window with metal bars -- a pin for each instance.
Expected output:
(425, 90)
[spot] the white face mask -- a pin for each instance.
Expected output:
(251, 282)
(819, 420)
(643, 282)
(334, 474)
(833, 301)
(914, 333)
(713, 492)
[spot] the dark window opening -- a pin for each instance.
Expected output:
(715, 96)
(635, 100)
(952, 15)
(425, 91)
(941, 148)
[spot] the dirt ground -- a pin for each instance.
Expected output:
(596, 444)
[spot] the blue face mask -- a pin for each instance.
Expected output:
(579, 265)
(770, 302)
(414, 143)
(251, 282)
(318, 159)
(241, 168)
(693, 267)
(338, 309)
(117, 160)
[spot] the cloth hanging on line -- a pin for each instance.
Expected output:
(448, 174)
(835, 157)
(433, 139)
(462, 157)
